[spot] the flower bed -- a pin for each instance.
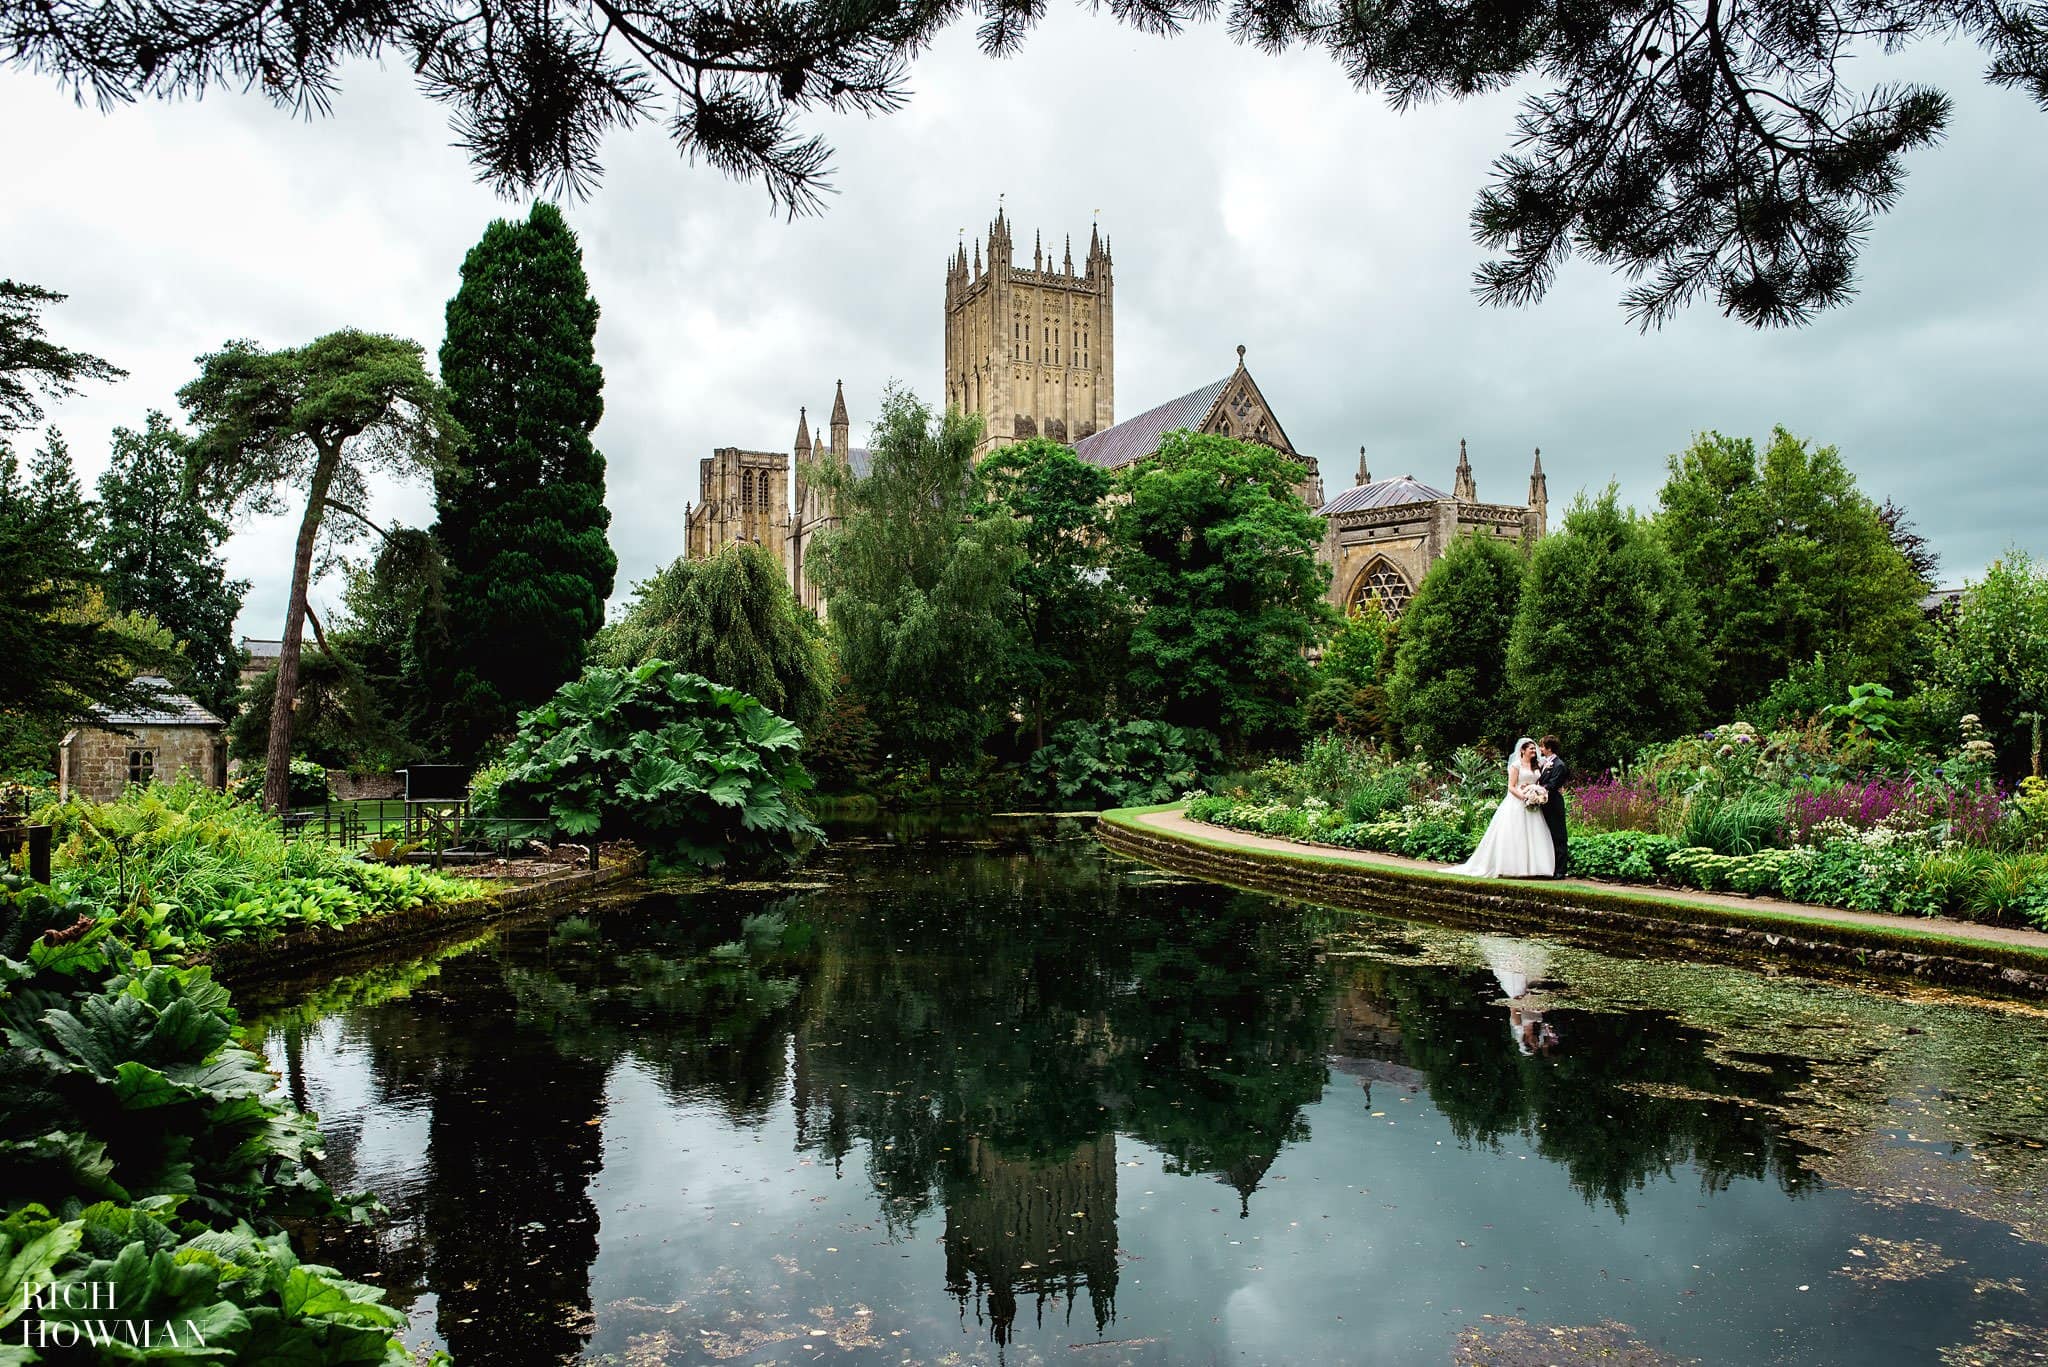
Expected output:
(1732, 811)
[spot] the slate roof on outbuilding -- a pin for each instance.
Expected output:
(169, 709)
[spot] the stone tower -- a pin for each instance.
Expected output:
(1032, 351)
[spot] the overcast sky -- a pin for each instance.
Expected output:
(1251, 199)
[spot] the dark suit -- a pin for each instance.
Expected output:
(1552, 776)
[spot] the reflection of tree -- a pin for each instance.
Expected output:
(507, 1051)
(1229, 1019)
(985, 1045)
(512, 1145)
(698, 1002)
(1630, 1095)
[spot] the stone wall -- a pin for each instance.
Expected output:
(95, 763)
(348, 787)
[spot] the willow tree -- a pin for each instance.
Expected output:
(733, 619)
(315, 422)
(920, 578)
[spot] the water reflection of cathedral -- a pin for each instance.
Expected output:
(1015, 1226)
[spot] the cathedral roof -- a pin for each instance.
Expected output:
(1382, 493)
(1135, 438)
(862, 463)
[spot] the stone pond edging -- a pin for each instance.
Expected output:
(255, 960)
(1614, 917)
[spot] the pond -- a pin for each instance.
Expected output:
(989, 1094)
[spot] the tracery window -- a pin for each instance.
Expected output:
(1381, 582)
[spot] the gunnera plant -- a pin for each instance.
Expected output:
(694, 772)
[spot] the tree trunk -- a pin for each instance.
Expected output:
(277, 770)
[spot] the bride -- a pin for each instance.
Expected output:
(1517, 842)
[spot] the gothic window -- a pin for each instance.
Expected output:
(1380, 582)
(747, 490)
(141, 766)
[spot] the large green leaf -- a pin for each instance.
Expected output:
(29, 1258)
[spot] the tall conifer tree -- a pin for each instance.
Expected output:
(159, 552)
(523, 522)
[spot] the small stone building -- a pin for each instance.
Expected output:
(100, 757)
(258, 658)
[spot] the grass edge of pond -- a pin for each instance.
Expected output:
(1764, 931)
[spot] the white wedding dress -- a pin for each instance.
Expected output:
(1517, 842)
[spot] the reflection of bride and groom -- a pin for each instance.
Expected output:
(1526, 838)
(1518, 966)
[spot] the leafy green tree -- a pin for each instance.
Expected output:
(920, 582)
(1606, 648)
(1450, 682)
(1214, 544)
(841, 748)
(1702, 149)
(60, 651)
(522, 520)
(1350, 689)
(1994, 654)
(29, 361)
(322, 417)
(393, 619)
(159, 549)
(1787, 560)
(1074, 621)
(731, 618)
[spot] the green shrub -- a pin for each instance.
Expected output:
(1739, 823)
(1388, 790)
(179, 867)
(2010, 889)
(1950, 876)
(692, 770)
(1332, 768)
(1633, 856)
(307, 786)
(1121, 763)
(1438, 841)
(2033, 901)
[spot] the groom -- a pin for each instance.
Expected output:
(1552, 773)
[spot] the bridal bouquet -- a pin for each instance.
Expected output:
(1536, 798)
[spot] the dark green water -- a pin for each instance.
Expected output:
(993, 1095)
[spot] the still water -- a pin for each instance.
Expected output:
(990, 1094)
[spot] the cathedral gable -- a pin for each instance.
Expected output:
(1241, 411)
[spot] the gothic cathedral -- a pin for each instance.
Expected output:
(1033, 352)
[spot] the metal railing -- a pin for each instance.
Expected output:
(395, 828)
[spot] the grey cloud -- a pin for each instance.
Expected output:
(1251, 199)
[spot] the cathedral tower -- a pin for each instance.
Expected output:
(1032, 351)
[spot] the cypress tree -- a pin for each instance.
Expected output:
(522, 523)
